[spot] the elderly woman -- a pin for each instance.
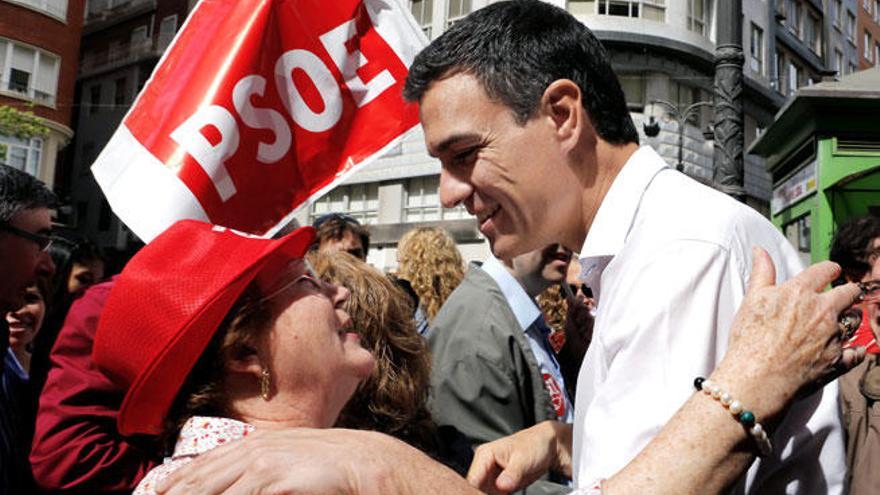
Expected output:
(394, 398)
(239, 335)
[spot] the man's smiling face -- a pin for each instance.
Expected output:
(514, 178)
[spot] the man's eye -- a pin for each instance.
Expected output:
(464, 156)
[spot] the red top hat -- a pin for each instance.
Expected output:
(166, 306)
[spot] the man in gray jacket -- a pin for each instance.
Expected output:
(494, 372)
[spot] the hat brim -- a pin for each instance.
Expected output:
(151, 394)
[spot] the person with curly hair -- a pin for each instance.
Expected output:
(393, 400)
(428, 258)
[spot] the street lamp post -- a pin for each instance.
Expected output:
(729, 59)
(652, 128)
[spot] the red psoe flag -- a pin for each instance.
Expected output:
(258, 106)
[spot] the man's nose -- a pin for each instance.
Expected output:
(45, 266)
(453, 189)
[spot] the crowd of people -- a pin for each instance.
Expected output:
(617, 340)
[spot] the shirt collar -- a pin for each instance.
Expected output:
(203, 433)
(618, 209)
(523, 306)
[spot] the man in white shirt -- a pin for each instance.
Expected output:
(522, 108)
(519, 103)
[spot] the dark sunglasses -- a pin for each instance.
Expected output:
(588, 292)
(42, 241)
(342, 217)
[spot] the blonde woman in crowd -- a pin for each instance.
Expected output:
(430, 261)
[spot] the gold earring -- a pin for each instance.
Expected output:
(264, 384)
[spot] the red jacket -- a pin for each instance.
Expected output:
(76, 445)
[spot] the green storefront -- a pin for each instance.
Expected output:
(823, 153)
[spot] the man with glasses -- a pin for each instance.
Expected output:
(341, 232)
(25, 226)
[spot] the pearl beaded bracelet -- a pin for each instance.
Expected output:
(743, 415)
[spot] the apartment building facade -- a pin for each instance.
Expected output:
(122, 40)
(868, 33)
(39, 49)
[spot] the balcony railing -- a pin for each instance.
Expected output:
(103, 9)
(121, 55)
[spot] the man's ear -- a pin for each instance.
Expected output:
(562, 104)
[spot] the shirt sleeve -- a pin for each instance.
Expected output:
(76, 447)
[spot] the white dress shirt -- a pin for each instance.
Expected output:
(668, 260)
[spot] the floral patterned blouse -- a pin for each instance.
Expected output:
(198, 435)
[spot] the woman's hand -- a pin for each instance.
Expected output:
(314, 462)
(785, 339)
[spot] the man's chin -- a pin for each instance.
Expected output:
(506, 247)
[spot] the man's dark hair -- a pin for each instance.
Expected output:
(851, 247)
(516, 49)
(334, 225)
(22, 191)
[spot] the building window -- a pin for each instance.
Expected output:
(838, 61)
(793, 16)
(139, 35)
(697, 16)
(55, 8)
(28, 72)
(877, 53)
(794, 76)
(756, 49)
(813, 33)
(582, 7)
(838, 14)
(779, 79)
(119, 93)
(361, 201)
(851, 27)
(876, 10)
(23, 154)
(167, 29)
(456, 10)
(684, 95)
(866, 51)
(866, 4)
(634, 89)
(422, 202)
(852, 68)
(95, 99)
(654, 10)
(423, 10)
